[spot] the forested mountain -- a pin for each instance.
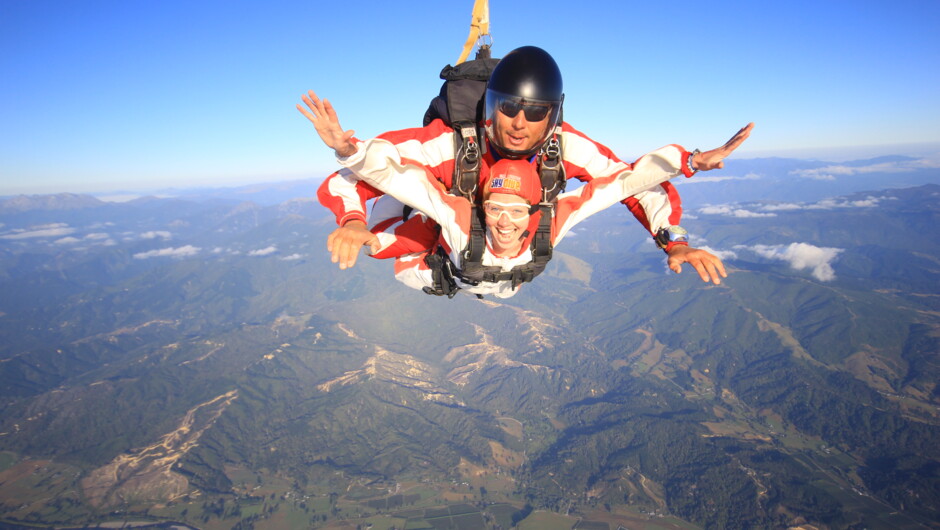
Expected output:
(202, 361)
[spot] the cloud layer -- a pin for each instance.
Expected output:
(49, 230)
(263, 251)
(732, 211)
(699, 179)
(834, 171)
(771, 209)
(801, 256)
(178, 252)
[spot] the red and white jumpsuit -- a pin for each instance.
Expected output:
(432, 147)
(385, 167)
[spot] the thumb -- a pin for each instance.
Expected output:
(675, 266)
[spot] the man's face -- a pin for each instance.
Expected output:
(516, 133)
(507, 217)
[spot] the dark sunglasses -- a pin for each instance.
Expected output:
(511, 108)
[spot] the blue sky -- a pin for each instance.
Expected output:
(135, 95)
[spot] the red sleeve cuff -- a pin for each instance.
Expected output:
(685, 164)
(352, 216)
(674, 243)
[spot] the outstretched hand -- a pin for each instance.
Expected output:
(344, 243)
(714, 159)
(323, 116)
(709, 266)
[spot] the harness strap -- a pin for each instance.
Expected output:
(467, 161)
(442, 274)
(517, 275)
(542, 242)
(551, 169)
(465, 182)
(471, 259)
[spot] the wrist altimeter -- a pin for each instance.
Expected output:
(672, 234)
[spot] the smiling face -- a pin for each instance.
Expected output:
(507, 218)
(516, 133)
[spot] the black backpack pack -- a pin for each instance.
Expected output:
(460, 104)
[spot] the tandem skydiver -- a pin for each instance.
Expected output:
(522, 109)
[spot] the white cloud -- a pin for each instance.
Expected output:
(802, 256)
(119, 197)
(781, 207)
(703, 180)
(832, 204)
(179, 252)
(823, 173)
(831, 172)
(263, 251)
(153, 234)
(292, 257)
(724, 209)
(929, 162)
(48, 230)
(720, 209)
(98, 237)
(825, 204)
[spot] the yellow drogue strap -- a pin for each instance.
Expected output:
(479, 26)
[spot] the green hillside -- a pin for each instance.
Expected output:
(211, 367)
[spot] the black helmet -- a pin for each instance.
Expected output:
(526, 79)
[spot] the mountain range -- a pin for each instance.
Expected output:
(199, 360)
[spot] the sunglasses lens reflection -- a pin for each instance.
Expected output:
(532, 112)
